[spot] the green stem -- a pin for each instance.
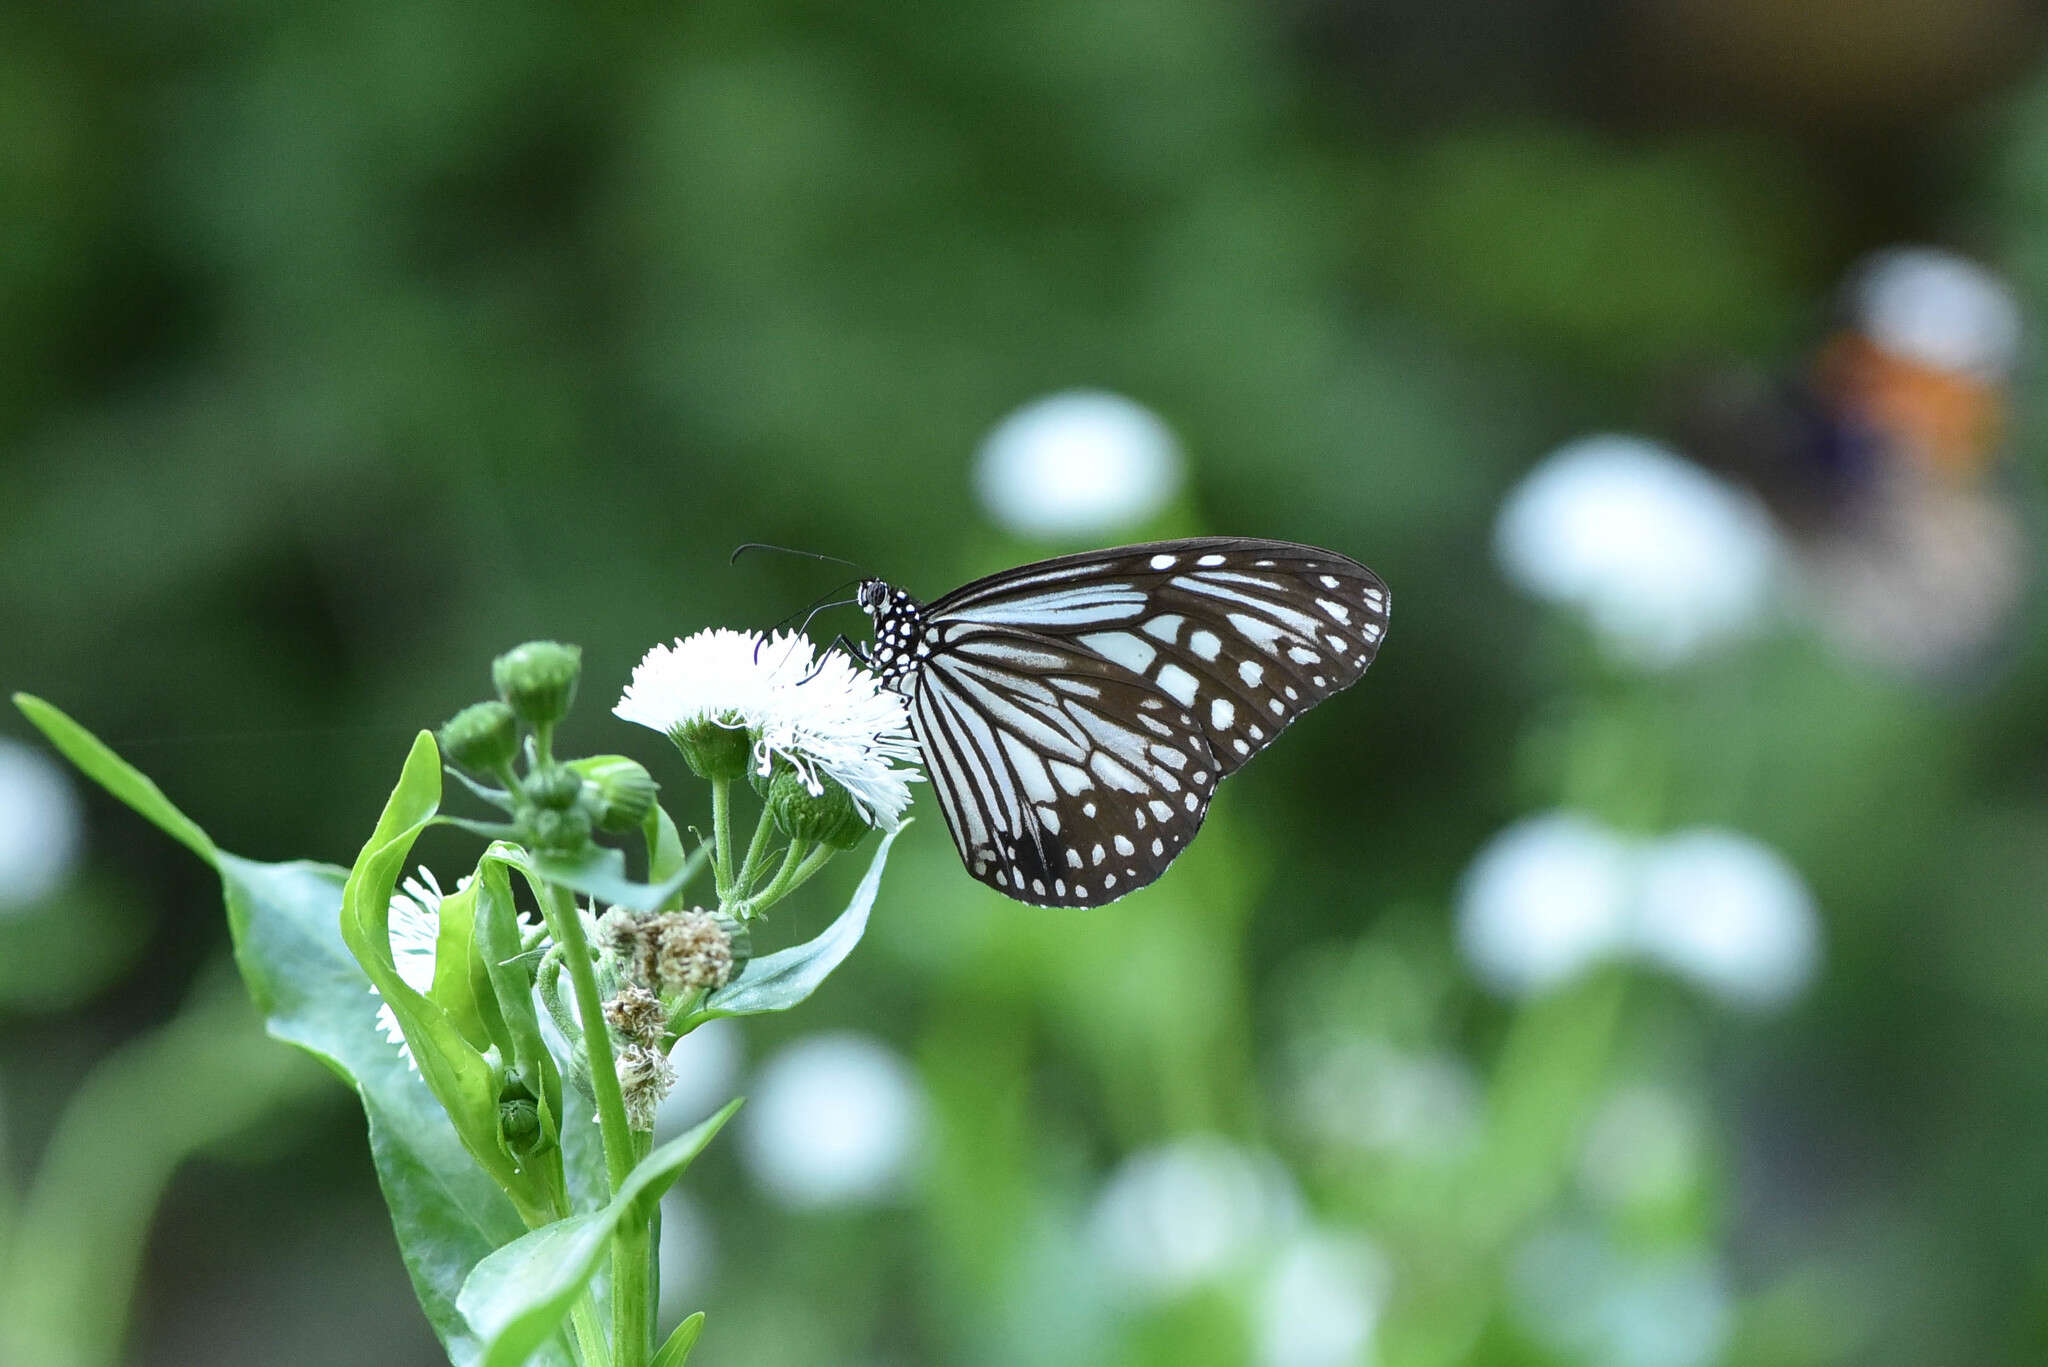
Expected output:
(801, 862)
(629, 1247)
(757, 848)
(589, 1332)
(721, 835)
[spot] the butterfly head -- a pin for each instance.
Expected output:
(899, 631)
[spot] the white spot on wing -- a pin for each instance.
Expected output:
(1222, 714)
(1122, 647)
(1205, 644)
(1210, 561)
(1178, 682)
(1252, 672)
(1164, 562)
(1161, 810)
(1165, 627)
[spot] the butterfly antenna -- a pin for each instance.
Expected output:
(808, 611)
(740, 550)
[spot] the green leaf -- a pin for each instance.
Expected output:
(676, 1351)
(786, 977)
(461, 987)
(601, 873)
(517, 1298)
(511, 983)
(115, 774)
(456, 1071)
(666, 856)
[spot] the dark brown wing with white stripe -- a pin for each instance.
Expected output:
(1246, 635)
(1066, 780)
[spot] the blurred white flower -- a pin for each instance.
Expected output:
(1321, 1301)
(1077, 465)
(1547, 898)
(1366, 1093)
(686, 1254)
(834, 1119)
(1643, 1148)
(1730, 914)
(1662, 557)
(825, 715)
(1585, 1301)
(1174, 1217)
(415, 925)
(1934, 307)
(42, 825)
(707, 1063)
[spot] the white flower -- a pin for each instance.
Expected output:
(837, 720)
(1196, 1210)
(1365, 1093)
(827, 716)
(1077, 465)
(730, 678)
(41, 826)
(1321, 1301)
(833, 1120)
(415, 924)
(1729, 913)
(1552, 895)
(1546, 898)
(1588, 1304)
(1662, 557)
(1931, 306)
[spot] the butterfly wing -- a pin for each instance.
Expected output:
(1246, 635)
(1065, 779)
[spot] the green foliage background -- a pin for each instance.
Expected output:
(342, 347)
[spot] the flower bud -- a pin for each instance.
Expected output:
(713, 751)
(760, 775)
(482, 738)
(519, 1127)
(557, 832)
(827, 817)
(538, 680)
(695, 953)
(624, 791)
(554, 790)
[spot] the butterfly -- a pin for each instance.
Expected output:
(1077, 714)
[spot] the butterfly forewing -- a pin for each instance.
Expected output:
(1065, 779)
(1245, 635)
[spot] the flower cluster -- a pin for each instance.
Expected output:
(829, 720)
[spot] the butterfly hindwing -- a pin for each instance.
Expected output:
(1065, 779)
(1245, 634)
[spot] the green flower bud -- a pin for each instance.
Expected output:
(828, 817)
(519, 1127)
(538, 680)
(482, 738)
(554, 790)
(558, 832)
(624, 791)
(758, 780)
(713, 751)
